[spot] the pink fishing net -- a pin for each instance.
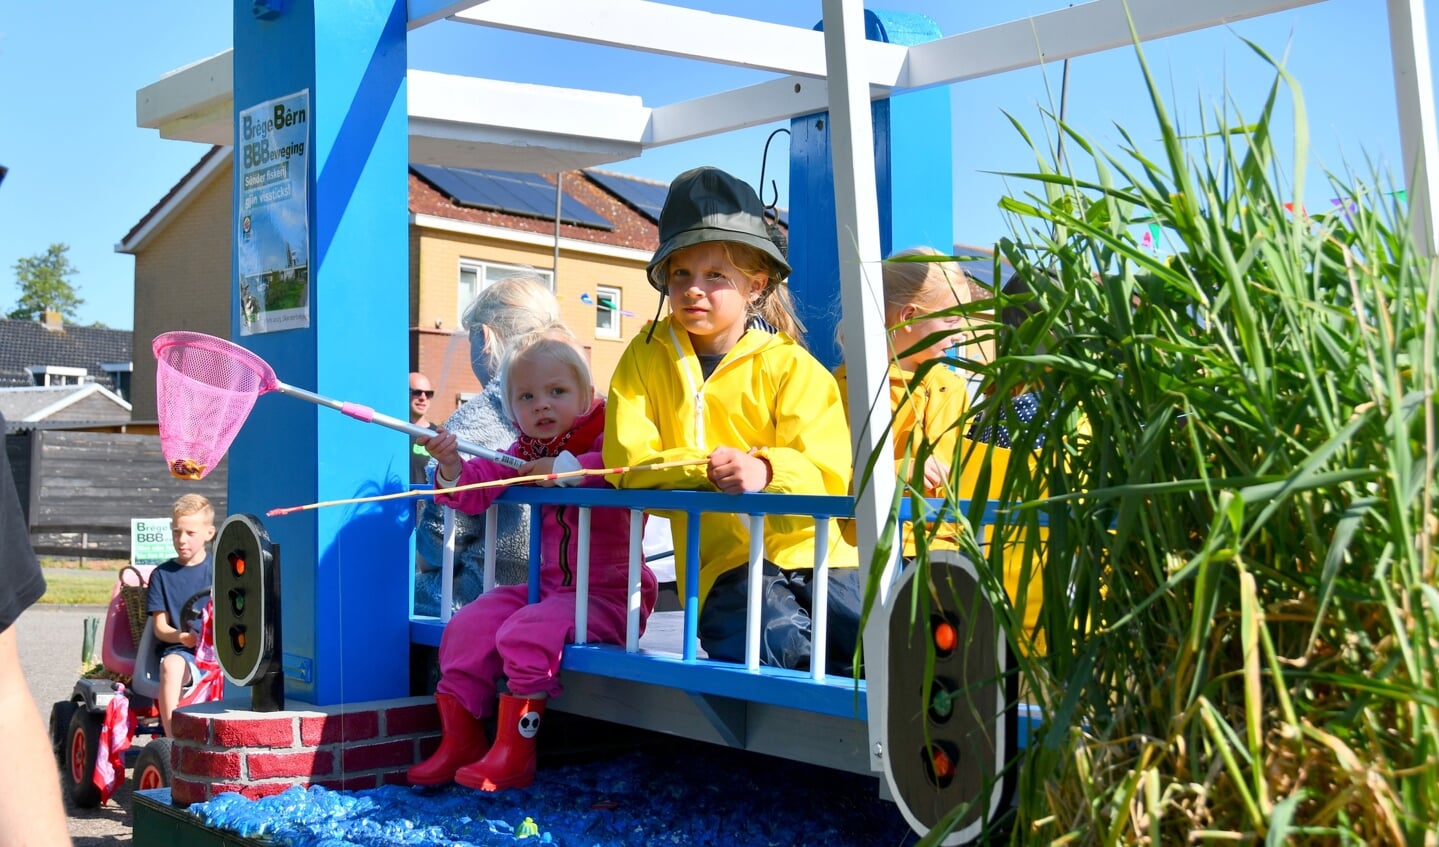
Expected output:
(205, 388)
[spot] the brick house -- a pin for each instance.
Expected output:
(607, 233)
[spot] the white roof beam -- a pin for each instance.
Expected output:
(421, 12)
(193, 103)
(1067, 33)
(515, 126)
(686, 33)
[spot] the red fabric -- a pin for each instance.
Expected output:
(211, 684)
(115, 735)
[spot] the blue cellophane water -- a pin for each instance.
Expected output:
(710, 798)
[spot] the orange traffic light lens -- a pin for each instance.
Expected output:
(237, 563)
(943, 765)
(237, 638)
(945, 637)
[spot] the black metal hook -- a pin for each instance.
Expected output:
(763, 163)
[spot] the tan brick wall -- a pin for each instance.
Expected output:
(182, 281)
(444, 353)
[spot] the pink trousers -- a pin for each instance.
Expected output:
(501, 634)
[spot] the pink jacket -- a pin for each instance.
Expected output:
(559, 530)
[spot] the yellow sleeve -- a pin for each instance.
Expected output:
(632, 432)
(946, 403)
(811, 454)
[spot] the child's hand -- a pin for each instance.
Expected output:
(736, 472)
(189, 639)
(539, 467)
(443, 445)
(936, 474)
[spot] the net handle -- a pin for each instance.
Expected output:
(269, 382)
(364, 413)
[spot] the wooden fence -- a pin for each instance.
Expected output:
(80, 489)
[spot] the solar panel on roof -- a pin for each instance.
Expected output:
(530, 195)
(647, 198)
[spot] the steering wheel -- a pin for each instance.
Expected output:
(194, 611)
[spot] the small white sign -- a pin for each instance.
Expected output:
(150, 542)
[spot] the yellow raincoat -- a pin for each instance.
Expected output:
(768, 394)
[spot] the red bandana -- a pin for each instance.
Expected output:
(587, 428)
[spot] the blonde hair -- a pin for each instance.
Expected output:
(908, 283)
(775, 304)
(192, 504)
(555, 343)
(512, 308)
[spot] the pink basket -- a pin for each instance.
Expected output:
(205, 388)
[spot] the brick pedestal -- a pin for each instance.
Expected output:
(359, 745)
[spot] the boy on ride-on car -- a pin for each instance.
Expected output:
(192, 527)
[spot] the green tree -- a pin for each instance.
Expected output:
(45, 285)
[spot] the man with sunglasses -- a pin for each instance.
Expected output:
(421, 392)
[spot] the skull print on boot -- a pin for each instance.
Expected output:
(462, 741)
(511, 760)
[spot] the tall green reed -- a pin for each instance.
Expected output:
(1237, 475)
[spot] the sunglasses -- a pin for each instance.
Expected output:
(416, 392)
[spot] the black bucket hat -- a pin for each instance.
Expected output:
(706, 204)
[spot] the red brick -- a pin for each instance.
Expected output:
(214, 764)
(183, 792)
(226, 788)
(255, 732)
(333, 729)
(409, 720)
(386, 754)
(394, 778)
(359, 782)
(305, 763)
(428, 746)
(256, 790)
(188, 727)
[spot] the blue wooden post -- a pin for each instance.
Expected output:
(914, 174)
(343, 575)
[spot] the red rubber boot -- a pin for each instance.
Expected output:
(462, 741)
(511, 761)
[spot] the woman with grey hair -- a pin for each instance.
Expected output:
(499, 316)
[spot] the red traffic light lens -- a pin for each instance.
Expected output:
(237, 563)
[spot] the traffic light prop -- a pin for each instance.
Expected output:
(247, 611)
(947, 744)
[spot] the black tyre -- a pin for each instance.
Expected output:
(60, 715)
(152, 768)
(77, 767)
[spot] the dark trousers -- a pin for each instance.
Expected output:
(786, 602)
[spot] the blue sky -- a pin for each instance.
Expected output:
(83, 174)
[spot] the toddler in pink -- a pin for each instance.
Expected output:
(549, 395)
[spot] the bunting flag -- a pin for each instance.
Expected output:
(115, 735)
(211, 684)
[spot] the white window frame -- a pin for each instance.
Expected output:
(608, 328)
(486, 274)
(49, 375)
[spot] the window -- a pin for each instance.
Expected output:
(46, 375)
(607, 312)
(120, 376)
(476, 276)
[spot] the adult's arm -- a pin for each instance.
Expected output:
(30, 809)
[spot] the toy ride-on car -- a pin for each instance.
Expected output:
(129, 657)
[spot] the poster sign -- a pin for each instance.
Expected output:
(272, 221)
(150, 542)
